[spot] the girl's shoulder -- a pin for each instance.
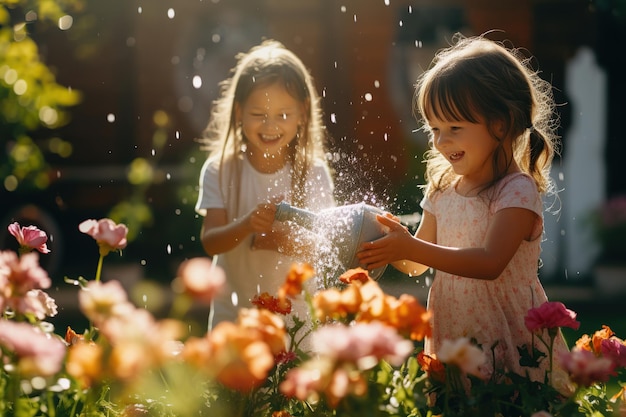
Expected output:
(517, 190)
(516, 182)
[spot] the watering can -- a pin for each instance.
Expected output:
(346, 227)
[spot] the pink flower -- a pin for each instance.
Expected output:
(361, 342)
(110, 236)
(36, 353)
(321, 376)
(30, 237)
(201, 279)
(19, 278)
(462, 353)
(614, 349)
(100, 301)
(36, 303)
(23, 274)
(550, 315)
(585, 368)
(305, 382)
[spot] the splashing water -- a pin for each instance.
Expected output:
(339, 232)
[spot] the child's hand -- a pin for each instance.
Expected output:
(262, 218)
(388, 248)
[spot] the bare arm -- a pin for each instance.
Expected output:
(505, 234)
(219, 236)
(426, 231)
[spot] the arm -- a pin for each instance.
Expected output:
(508, 229)
(426, 231)
(288, 239)
(219, 236)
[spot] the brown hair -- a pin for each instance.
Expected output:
(479, 79)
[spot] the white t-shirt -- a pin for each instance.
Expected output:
(248, 271)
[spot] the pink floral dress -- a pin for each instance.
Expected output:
(489, 312)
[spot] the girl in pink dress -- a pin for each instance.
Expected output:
(492, 132)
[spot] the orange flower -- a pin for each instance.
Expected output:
(71, 337)
(129, 360)
(197, 352)
(335, 304)
(84, 362)
(432, 366)
(376, 304)
(405, 314)
(265, 325)
(355, 275)
(411, 318)
(241, 361)
(273, 304)
(594, 343)
(201, 279)
(604, 334)
(297, 275)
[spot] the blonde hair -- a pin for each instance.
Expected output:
(476, 79)
(263, 65)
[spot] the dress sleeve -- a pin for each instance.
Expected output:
(209, 195)
(428, 202)
(519, 191)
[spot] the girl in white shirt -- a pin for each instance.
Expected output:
(266, 144)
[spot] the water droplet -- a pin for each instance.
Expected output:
(333, 118)
(65, 22)
(171, 13)
(169, 249)
(368, 97)
(197, 81)
(110, 117)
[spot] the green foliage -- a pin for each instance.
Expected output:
(30, 98)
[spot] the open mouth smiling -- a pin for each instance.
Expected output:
(455, 156)
(270, 138)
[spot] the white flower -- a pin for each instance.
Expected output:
(462, 353)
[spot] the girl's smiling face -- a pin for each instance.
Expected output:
(467, 146)
(270, 119)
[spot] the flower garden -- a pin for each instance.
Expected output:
(360, 354)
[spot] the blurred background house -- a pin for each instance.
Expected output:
(147, 72)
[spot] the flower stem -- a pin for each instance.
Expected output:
(551, 355)
(99, 270)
